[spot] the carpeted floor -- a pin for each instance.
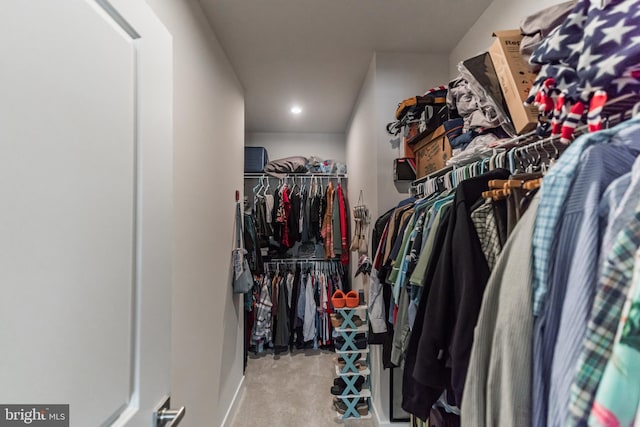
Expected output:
(290, 391)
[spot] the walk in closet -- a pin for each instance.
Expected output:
(501, 289)
(303, 213)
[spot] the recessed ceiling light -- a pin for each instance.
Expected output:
(296, 110)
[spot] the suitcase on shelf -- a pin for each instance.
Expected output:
(254, 159)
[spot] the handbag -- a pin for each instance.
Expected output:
(362, 219)
(242, 278)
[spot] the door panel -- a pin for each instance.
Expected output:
(85, 240)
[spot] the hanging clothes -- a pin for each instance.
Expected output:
(618, 398)
(293, 305)
(261, 334)
(327, 224)
(293, 220)
(574, 267)
(282, 317)
(494, 395)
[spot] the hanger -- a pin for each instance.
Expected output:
(264, 192)
(556, 152)
(533, 184)
(448, 180)
(503, 159)
(497, 183)
(484, 166)
(512, 160)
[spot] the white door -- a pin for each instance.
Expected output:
(85, 208)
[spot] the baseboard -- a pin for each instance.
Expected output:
(385, 423)
(234, 404)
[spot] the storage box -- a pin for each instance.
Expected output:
(254, 159)
(432, 153)
(515, 78)
(411, 132)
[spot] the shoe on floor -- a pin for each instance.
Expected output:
(340, 387)
(361, 407)
(361, 365)
(337, 320)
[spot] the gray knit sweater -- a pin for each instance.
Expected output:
(497, 390)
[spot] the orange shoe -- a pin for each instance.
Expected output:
(352, 299)
(338, 299)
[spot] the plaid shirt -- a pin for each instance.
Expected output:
(619, 390)
(553, 194)
(605, 316)
(484, 222)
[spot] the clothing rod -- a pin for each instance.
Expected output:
(298, 260)
(435, 174)
(297, 175)
(617, 110)
(612, 119)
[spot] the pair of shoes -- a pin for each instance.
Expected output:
(340, 359)
(360, 365)
(338, 299)
(337, 319)
(352, 299)
(361, 407)
(339, 387)
(340, 380)
(342, 300)
(360, 341)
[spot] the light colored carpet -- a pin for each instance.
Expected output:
(290, 391)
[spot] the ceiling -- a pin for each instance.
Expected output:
(315, 53)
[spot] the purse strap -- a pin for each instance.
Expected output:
(239, 239)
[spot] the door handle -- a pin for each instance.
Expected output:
(163, 416)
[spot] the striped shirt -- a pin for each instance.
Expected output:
(574, 272)
(553, 194)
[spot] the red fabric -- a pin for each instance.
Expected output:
(546, 101)
(344, 257)
(569, 125)
(558, 115)
(594, 118)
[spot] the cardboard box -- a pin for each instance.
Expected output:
(515, 78)
(432, 153)
(411, 131)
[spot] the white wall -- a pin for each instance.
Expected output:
(280, 145)
(207, 327)
(500, 15)
(391, 78)
(361, 156)
(399, 76)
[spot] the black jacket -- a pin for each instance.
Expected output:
(452, 299)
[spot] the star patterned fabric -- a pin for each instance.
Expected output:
(592, 57)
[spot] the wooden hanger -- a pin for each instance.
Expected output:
(497, 183)
(533, 184)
